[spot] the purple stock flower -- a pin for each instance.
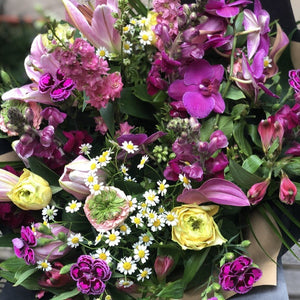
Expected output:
(90, 275)
(53, 116)
(223, 9)
(199, 90)
(294, 81)
(239, 275)
(258, 22)
(22, 246)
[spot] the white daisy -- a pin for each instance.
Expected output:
(144, 159)
(151, 215)
(103, 254)
(171, 218)
(145, 37)
(104, 158)
(151, 198)
(49, 212)
(157, 224)
(96, 188)
(127, 266)
(137, 220)
(127, 29)
(113, 238)
(133, 21)
(141, 253)
(144, 274)
(74, 240)
(146, 239)
(129, 147)
(73, 206)
(85, 149)
(186, 182)
(125, 283)
(124, 169)
(98, 238)
(267, 62)
(162, 187)
(44, 265)
(91, 178)
(102, 52)
(132, 203)
(129, 178)
(143, 22)
(161, 210)
(94, 166)
(127, 47)
(124, 229)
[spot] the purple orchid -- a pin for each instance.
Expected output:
(199, 90)
(257, 23)
(223, 9)
(215, 190)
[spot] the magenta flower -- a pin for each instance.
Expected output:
(216, 190)
(199, 90)
(258, 22)
(53, 116)
(257, 191)
(23, 246)
(90, 275)
(239, 275)
(294, 81)
(223, 9)
(163, 266)
(75, 139)
(287, 190)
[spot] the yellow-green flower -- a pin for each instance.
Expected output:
(32, 192)
(196, 228)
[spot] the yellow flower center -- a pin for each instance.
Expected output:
(145, 37)
(112, 237)
(73, 205)
(102, 159)
(93, 166)
(75, 240)
(102, 53)
(144, 274)
(126, 46)
(137, 220)
(127, 265)
(123, 228)
(96, 187)
(44, 265)
(156, 223)
(103, 256)
(141, 253)
(151, 197)
(185, 180)
(170, 218)
(151, 215)
(146, 239)
(90, 178)
(161, 187)
(130, 146)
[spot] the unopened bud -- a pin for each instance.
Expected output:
(229, 256)
(245, 243)
(62, 236)
(43, 241)
(216, 287)
(44, 229)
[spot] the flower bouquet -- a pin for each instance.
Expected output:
(145, 138)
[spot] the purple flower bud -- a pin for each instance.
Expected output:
(218, 140)
(47, 135)
(53, 116)
(163, 266)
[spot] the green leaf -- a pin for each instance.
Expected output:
(139, 7)
(39, 168)
(207, 128)
(234, 93)
(140, 91)
(22, 276)
(107, 113)
(55, 189)
(252, 163)
(66, 295)
(5, 240)
(293, 167)
(240, 138)
(252, 129)
(239, 110)
(287, 213)
(12, 264)
(226, 125)
(65, 269)
(173, 290)
(297, 184)
(193, 264)
(241, 177)
(238, 24)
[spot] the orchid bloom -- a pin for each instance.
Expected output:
(96, 24)
(216, 190)
(257, 23)
(199, 90)
(223, 9)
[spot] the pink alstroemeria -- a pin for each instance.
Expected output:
(216, 190)
(199, 89)
(223, 9)
(287, 190)
(7, 181)
(257, 191)
(257, 23)
(97, 25)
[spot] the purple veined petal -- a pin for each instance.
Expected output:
(224, 192)
(241, 287)
(97, 286)
(263, 21)
(153, 137)
(253, 40)
(219, 103)
(84, 284)
(136, 139)
(256, 272)
(198, 71)
(190, 196)
(228, 282)
(178, 88)
(250, 20)
(240, 264)
(29, 256)
(227, 12)
(198, 105)
(76, 272)
(18, 245)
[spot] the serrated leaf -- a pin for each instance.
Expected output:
(240, 138)
(66, 295)
(252, 163)
(173, 290)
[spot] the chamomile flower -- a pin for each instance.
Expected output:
(171, 218)
(127, 29)
(103, 254)
(151, 214)
(102, 52)
(49, 212)
(162, 187)
(143, 22)
(151, 198)
(127, 47)
(44, 265)
(94, 166)
(127, 265)
(85, 149)
(137, 220)
(91, 178)
(98, 238)
(73, 206)
(124, 229)
(132, 203)
(74, 240)
(144, 159)
(141, 253)
(96, 188)
(157, 224)
(186, 182)
(133, 21)
(104, 158)
(124, 169)
(144, 274)
(113, 238)
(124, 283)
(145, 37)
(129, 147)
(146, 239)
(267, 62)
(161, 210)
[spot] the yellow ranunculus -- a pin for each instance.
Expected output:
(196, 228)
(32, 192)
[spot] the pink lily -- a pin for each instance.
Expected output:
(7, 181)
(223, 9)
(96, 24)
(215, 190)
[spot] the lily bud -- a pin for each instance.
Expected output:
(287, 191)
(163, 266)
(7, 181)
(257, 192)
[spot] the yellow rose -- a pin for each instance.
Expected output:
(31, 192)
(196, 228)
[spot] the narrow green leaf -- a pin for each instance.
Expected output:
(193, 264)
(252, 163)
(287, 213)
(173, 290)
(139, 7)
(65, 269)
(66, 295)
(274, 146)
(252, 129)
(107, 113)
(242, 178)
(297, 184)
(240, 138)
(24, 275)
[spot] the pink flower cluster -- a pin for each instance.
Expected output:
(90, 73)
